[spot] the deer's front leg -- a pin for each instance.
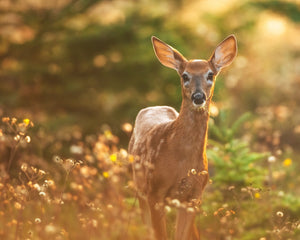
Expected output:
(145, 211)
(158, 219)
(185, 228)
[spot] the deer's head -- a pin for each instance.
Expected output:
(197, 76)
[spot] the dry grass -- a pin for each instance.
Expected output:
(90, 195)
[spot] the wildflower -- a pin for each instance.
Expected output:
(24, 167)
(109, 206)
(27, 139)
(50, 229)
(37, 220)
(14, 222)
(175, 202)
(57, 159)
(127, 127)
(167, 209)
(37, 186)
(94, 223)
(190, 209)
(17, 138)
(5, 119)
(42, 194)
(17, 206)
(84, 171)
(202, 173)
(41, 172)
(75, 149)
(105, 174)
(26, 121)
(108, 134)
(137, 166)
(68, 164)
(279, 214)
(280, 194)
(287, 162)
(131, 159)
(13, 120)
(271, 159)
(49, 183)
(257, 195)
(123, 153)
(34, 169)
(30, 184)
(113, 157)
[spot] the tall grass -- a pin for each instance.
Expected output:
(89, 193)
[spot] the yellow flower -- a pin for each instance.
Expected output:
(131, 159)
(105, 174)
(287, 162)
(26, 121)
(113, 157)
(108, 134)
(257, 195)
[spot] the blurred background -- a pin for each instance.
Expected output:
(75, 73)
(69, 64)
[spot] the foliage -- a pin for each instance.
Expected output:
(247, 199)
(232, 157)
(288, 9)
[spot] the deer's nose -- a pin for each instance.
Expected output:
(198, 98)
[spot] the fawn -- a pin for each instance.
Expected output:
(170, 147)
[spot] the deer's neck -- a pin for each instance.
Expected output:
(191, 126)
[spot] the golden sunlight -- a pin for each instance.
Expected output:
(274, 25)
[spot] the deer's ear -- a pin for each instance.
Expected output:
(224, 53)
(167, 55)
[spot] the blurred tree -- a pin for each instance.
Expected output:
(84, 62)
(89, 62)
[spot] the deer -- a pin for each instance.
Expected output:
(169, 148)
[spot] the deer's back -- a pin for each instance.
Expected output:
(146, 120)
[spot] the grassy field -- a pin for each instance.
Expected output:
(89, 194)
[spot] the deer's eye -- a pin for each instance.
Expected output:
(210, 76)
(185, 78)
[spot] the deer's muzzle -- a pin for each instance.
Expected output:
(199, 99)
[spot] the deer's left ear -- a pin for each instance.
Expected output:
(167, 55)
(224, 53)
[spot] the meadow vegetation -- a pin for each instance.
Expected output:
(90, 193)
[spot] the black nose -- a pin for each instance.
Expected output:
(198, 98)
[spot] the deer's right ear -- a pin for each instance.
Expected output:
(225, 53)
(167, 55)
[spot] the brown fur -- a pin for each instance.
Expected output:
(170, 147)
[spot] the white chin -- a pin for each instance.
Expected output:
(199, 106)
